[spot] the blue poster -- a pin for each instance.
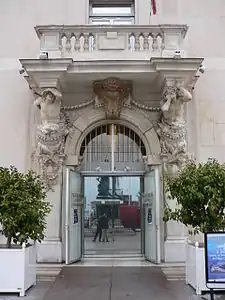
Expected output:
(149, 217)
(75, 216)
(215, 257)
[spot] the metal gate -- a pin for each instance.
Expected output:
(112, 147)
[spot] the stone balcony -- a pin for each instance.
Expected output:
(94, 42)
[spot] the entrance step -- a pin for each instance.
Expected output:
(113, 256)
(48, 272)
(174, 271)
(113, 262)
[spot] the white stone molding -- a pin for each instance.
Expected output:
(137, 120)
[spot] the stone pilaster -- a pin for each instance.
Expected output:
(173, 141)
(50, 138)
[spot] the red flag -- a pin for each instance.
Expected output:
(154, 7)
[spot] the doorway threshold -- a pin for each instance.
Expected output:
(112, 261)
(112, 256)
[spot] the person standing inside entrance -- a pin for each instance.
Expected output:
(98, 231)
(105, 227)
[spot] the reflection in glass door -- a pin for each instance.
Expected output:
(113, 215)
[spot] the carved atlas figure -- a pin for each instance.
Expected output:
(171, 128)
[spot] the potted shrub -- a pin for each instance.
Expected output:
(199, 192)
(23, 211)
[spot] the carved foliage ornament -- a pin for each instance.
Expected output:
(112, 93)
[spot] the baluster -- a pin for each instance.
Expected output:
(131, 42)
(68, 44)
(91, 43)
(63, 44)
(81, 43)
(154, 42)
(141, 41)
(77, 43)
(137, 42)
(162, 41)
(73, 43)
(86, 42)
(146, 42)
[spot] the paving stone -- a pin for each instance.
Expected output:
(111, 283)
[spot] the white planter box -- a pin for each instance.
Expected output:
(17, 269)
(195, 268)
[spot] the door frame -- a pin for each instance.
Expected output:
(115, 174)
(159, 195)
(66, 210)
(157, 212)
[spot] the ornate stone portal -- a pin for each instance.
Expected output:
(51, 135)
(112, 94)
(171, 128)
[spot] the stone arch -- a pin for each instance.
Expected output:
(136, 120)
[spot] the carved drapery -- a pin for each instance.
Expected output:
(172, 127)
(112, 93)
(51, 135)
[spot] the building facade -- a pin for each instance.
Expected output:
(107, 89)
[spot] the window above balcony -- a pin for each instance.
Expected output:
(111, 12)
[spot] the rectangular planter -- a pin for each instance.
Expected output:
(17, 269)
(195, 267)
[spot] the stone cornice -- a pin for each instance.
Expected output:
(120, 66)
(182, 71)
(45, 73)
(40, 29)
(45, 65)
(176, 65)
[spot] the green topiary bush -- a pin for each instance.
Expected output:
(23, 208)
(199, 189)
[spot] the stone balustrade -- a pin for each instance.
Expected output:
(109, 42)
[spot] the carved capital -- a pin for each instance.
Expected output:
(112, 94)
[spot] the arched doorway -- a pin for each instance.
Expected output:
(112, 166)
(117, 192)
(112, 148)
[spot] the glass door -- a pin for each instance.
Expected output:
(117, 199)
(74, 202)
(151, 202)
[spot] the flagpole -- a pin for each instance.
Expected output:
(154, 7)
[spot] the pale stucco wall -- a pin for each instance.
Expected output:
(205, 39)
(19, 40)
